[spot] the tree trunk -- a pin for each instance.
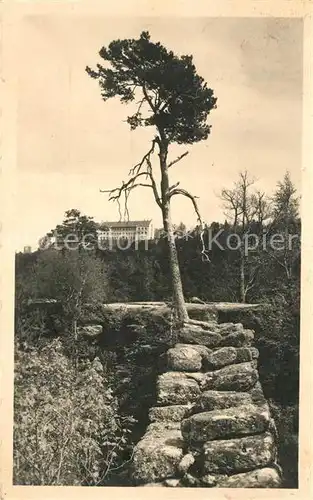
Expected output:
(181, 314)
(242, 292)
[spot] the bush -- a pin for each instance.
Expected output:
(67, 430)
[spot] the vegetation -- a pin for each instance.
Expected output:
(67, 427)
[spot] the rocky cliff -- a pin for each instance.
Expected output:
(211, 426)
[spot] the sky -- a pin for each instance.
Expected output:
(71, 144)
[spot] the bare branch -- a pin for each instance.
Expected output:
(178, 159)
(115, 194)
(174, 186)
(205, 255)
(136, 169)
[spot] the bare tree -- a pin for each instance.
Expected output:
(243, 207)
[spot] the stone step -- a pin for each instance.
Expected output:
(158, 454)
(220, 424)
(239, 377)
(174, 413)
(219, 400)
(238, 455)
(267, 477)
(176, 388)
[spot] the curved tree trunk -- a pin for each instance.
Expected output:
(181, 315)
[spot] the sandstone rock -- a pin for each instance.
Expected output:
(187, 461)
(201, 313)
(175, 388)
(214, 400)
(157, 455)
(221, 357)
(194, 334)
(202, 349)
(238, 339)
(261, 478)
(184, 359)
(227, 328)
(219, 424)
(238, 455)
(238, 377)
(171, 483)
(197, 376)
(156, 429)
(175, 413)
(257, 394)
(244, 354)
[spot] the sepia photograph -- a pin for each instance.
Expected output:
(157, 241)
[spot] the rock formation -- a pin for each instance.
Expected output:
(211, 426)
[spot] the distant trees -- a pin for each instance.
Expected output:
(265, 228)
(76, 231)
(285, 226)
(175, 101)
(246, 211)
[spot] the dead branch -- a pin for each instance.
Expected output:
(191, 197)
(115, 194)
(204, 253)
(136, 169)
(178, 159)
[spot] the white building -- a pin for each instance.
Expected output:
(126, 230)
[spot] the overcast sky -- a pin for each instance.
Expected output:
(71, 143)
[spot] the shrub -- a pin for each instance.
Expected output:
(67, 430)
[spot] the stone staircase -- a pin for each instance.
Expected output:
(211, 426)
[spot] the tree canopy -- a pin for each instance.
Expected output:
(178, 99)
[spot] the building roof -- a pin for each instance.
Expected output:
(130, 223)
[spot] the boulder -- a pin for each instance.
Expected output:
(194, 334)
(184, 359)
(202, 349)
(174, 388)
(157, 456)
(267, 477)
(220, 358)
(238, 377)
(238, 339)
(230, 422)
(175, 413)
(238, 455)
(219, 400)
